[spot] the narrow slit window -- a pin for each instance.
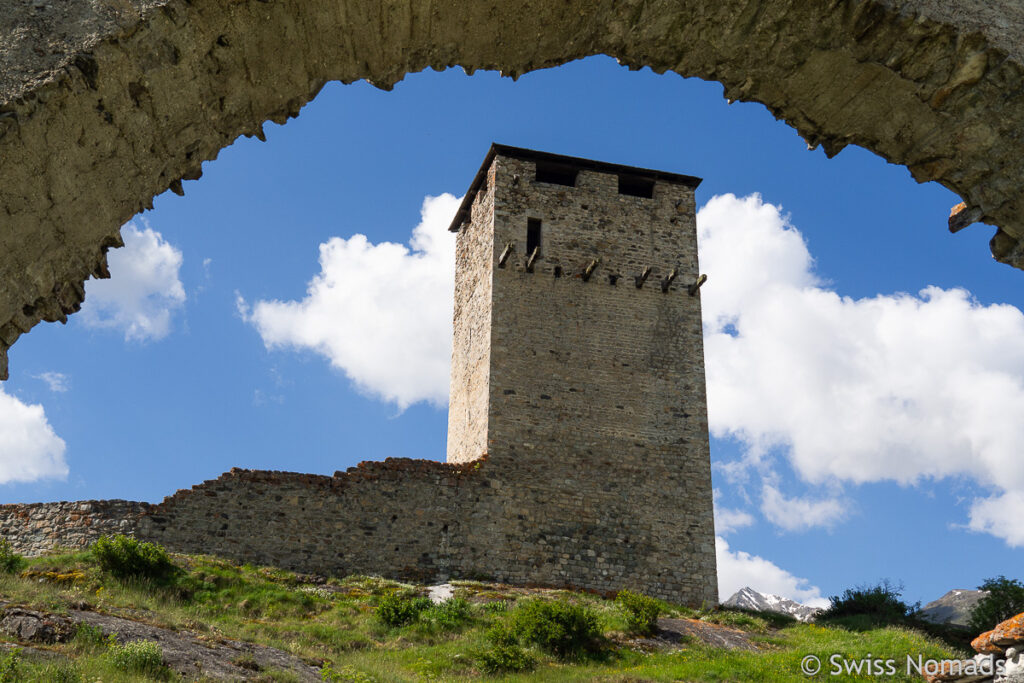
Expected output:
(533, 236)
(636, 187)
(557, 174)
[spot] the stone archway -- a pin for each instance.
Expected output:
(106, 103)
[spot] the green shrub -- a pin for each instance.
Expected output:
(495, 607)
(501, 634)
(345, 674)
(641, 612)
(400, 610)
(1005, 599)
(876, 605)
(139, 657)
(560, 628)
(91, 638)
(60, 673)
(504, 659)
(124, 557)
(448, 615)
(10, 667)
(10, 561)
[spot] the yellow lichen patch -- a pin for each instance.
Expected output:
(1009, 632)
(54, 577)
(984, 644)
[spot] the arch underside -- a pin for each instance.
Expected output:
(107, 103)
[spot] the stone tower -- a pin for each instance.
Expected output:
(578, 368)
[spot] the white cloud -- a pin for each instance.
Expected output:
(737, 569)
(144, 288)
(799, 514)
(381, 313)
(728, 520)
(29, 448)
(1000, 516)
(57, 381)
(892, 387)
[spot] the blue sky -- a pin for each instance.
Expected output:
(863, 430)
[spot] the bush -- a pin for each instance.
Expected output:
(448, 615)
(878, 605)
(560, 628)
(90, 638)
(641, 612)
(1005, 599)
(504, 659)
(60, 673)
(496, 607)
(501, 634)
(10, 561)
(400, 610)
(345, 674)
(10, 667)
(140, 657)
(124, 557)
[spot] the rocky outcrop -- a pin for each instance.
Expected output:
(192, 656)
(104, 105)
(1000, 657)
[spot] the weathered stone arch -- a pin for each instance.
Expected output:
(107, 103)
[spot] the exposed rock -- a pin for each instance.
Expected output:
(955, 607)
(673, 633)
(960, 671)
(440, 592)
(35, 627)
(1009, 632)
(191, 655)
(984, 645)
(1013, 666)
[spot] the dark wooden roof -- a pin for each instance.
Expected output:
(574, 162)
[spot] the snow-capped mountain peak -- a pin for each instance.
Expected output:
(748, 598)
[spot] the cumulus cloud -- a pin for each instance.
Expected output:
(1000, 516)
(56, 381)
(144, 288)
(728, 520)
(380, 313)
(29, 448)
(900, 387)
(799, 514)
(737, 569)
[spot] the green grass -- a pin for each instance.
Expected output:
(472, 637)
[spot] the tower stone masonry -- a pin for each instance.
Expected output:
(578, 437)
(579, 367)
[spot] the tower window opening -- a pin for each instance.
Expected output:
(636, 187)
(533, 236)
(557, 174)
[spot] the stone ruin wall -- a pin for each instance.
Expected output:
(104, 105)
(36, 528)
(397, 518)
(417, 520)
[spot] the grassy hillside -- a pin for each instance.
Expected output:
(369, 629)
